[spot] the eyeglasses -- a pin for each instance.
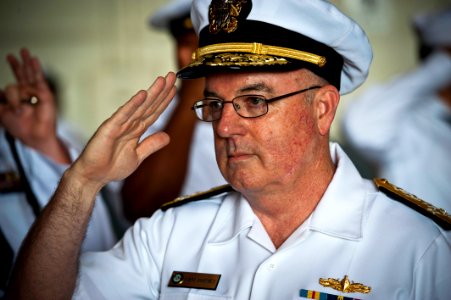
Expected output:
(246, 106)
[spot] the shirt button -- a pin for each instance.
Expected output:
(271, 266)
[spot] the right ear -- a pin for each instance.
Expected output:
(326, 103)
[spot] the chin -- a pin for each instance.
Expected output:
(244, 185)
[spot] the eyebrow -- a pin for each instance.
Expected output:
(257, 87)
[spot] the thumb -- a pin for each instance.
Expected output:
(152, 144)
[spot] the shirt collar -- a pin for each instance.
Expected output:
(340, 212)
(234, 216)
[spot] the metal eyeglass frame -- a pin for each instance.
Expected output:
(199, 103)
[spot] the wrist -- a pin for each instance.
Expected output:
(75, 178)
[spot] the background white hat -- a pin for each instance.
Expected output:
(317, 20)
(173, 10)
(434, 28)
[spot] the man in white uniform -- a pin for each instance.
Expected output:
(403, 127)
(297, 220)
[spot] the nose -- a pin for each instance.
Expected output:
(229, 122)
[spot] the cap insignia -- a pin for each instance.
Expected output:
(344, 285)
(224, 14)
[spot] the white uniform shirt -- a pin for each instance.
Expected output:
(355, 230)
(16, 215)
(405, 130)
(203, 172)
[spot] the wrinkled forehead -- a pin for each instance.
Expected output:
(265, 81)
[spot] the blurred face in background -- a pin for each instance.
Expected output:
(186, 44)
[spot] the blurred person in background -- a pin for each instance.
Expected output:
(65, 129)
(187, 165)
(403, 127)
(33, 156)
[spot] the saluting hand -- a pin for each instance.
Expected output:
(28, 110)
(115, 150)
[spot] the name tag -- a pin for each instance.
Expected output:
(194, 280)
(10, 183)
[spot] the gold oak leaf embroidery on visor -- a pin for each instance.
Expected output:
(243, 59)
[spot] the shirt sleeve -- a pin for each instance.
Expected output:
(132, 269)
(432, 277)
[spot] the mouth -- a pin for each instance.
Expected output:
(237, 153)
(238, 156)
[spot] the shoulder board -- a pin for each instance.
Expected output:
(439, 215)
(197, 196)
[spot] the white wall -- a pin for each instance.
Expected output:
(104, 51)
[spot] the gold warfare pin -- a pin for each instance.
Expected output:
(203, 281)
(344, 285)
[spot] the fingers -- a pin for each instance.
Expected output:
(12, 111)
(16, 68)
(132, 119)
(27, 70)
(129, 109)
(27, 65)
(13, 96)
(161, 86)
(39, 78)
(151, 102)
(160, 97)
(151, 144)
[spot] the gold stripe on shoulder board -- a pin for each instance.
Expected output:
(197, 196)
(439, 215)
